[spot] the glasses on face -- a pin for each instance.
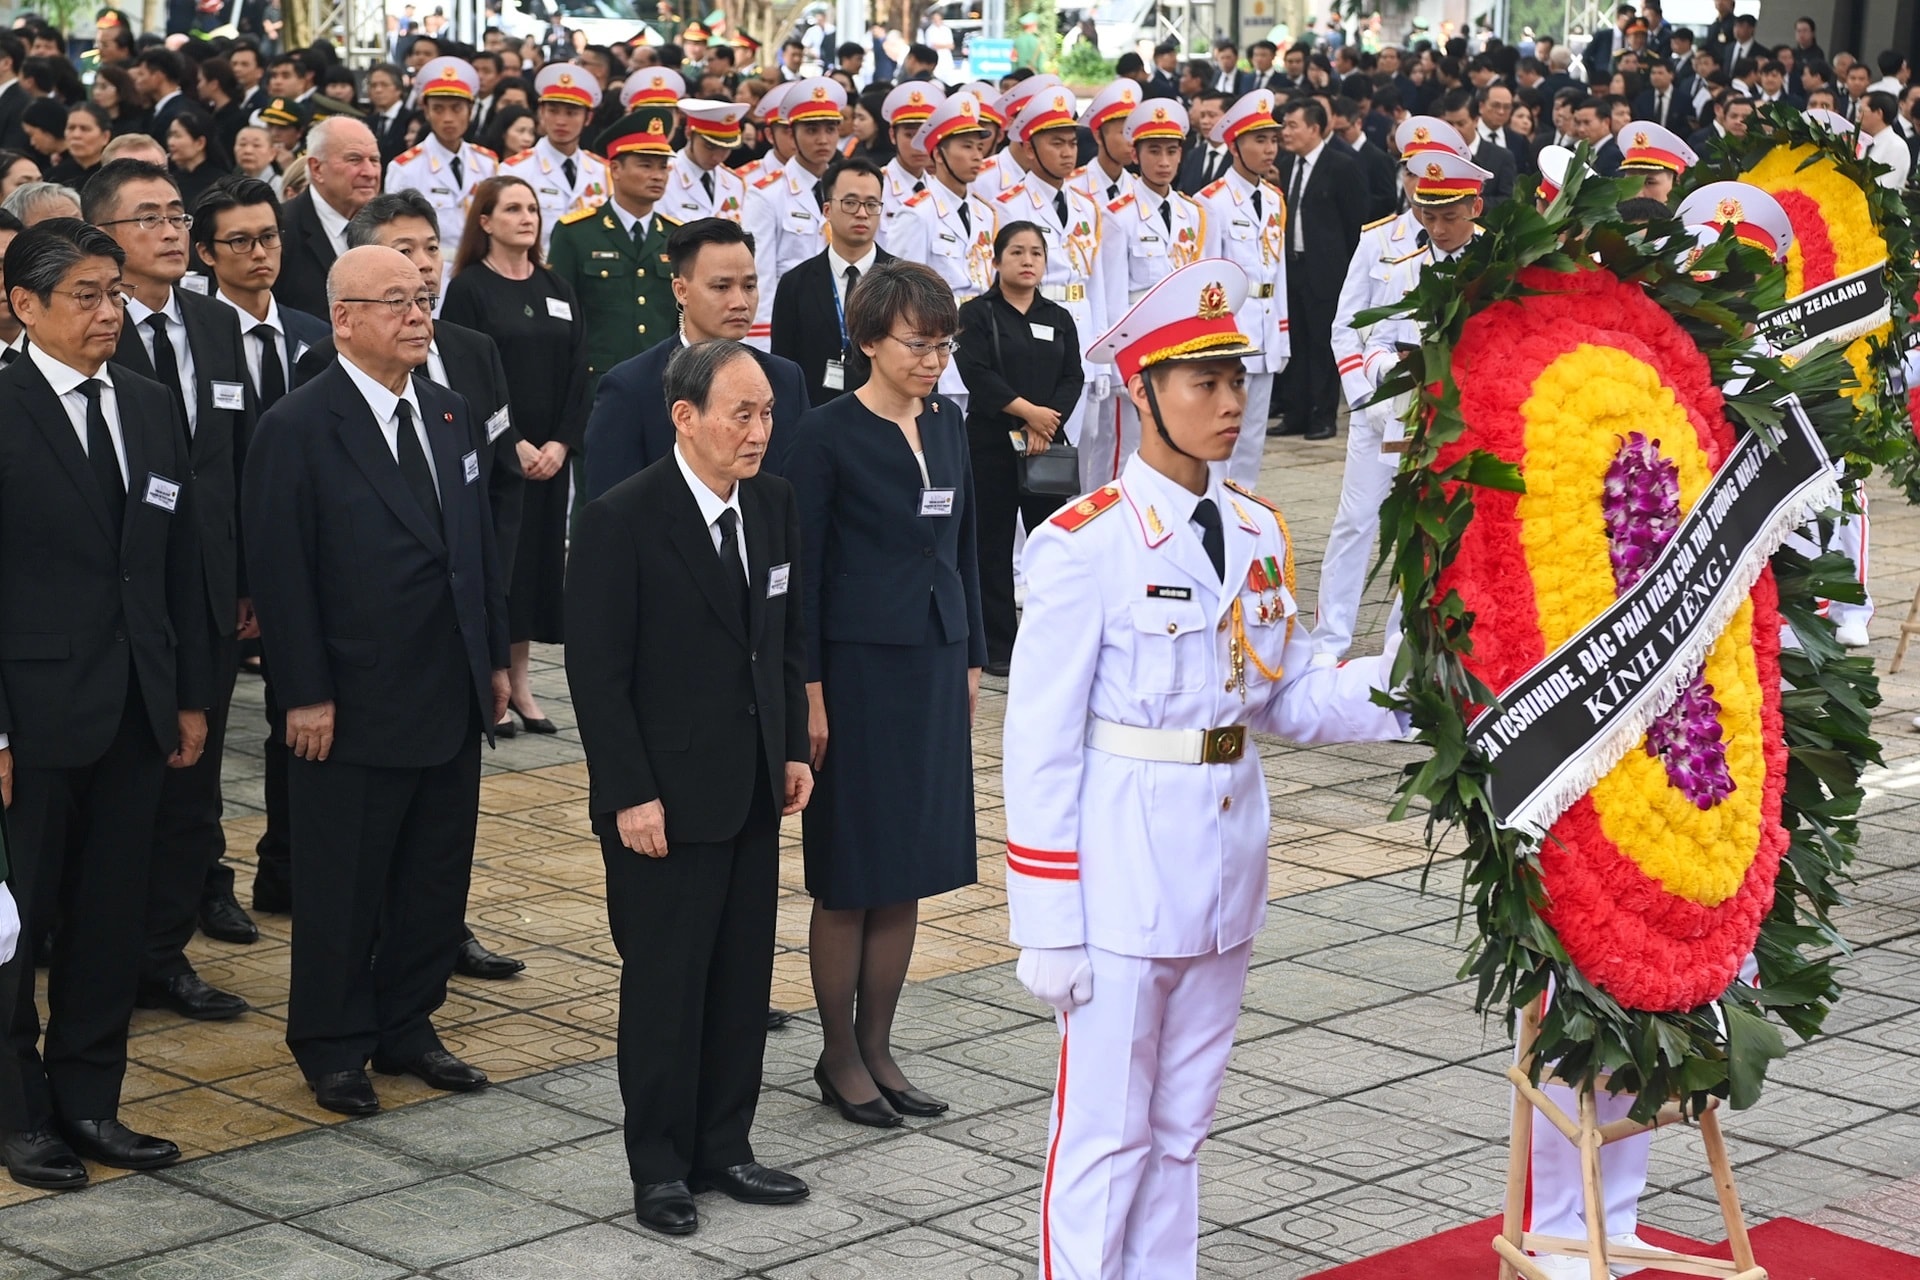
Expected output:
(921, 349)
(150, 222)
(851, 205)
(90, 299)
(244, 244)
(399, 306)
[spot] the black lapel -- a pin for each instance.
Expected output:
(133, 419)
(450, 449)
(759, 535)
(364, 442)
(132, 352)
(44, 407)
(204, 343)
(315, 233)
(695, 544)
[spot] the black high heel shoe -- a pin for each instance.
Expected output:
(533, 726)
(911, 1102)
(875, 1115)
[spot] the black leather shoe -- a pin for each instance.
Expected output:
(506, 729)
(875, 1115)
(189, 995)
(911, 1102)
(666, 1207)
(535, 726)
(751, 1183)
(271, 894)
(224, 919)
(41, 1159)
(474, 961)
(349, 1093)
(111, 1143)
(777, 1018)
(437, 1068)
(1285, 427)
(1323, 433)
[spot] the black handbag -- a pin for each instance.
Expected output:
(1055, 473)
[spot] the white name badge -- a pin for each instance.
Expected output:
(1042, 332)
(497, 424)
(936, 502)
(229, 395)
(194, 283)
(161, 492)
(835, 377)
(470, 463)
(777, 579)
(559, 308)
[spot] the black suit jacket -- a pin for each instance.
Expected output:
(806, 327)
(1679, 117)
(364, 600)
(13, 105)
(1334, 207)
(305, 258)
(680, 699)
(1382, 186)
(629, 429)
(220, 440)
(1193, 176)
(1160, 85)
(1498, 161)
(163, 116)
(1276, 82)
(75, 608)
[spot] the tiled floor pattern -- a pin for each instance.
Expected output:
(1363, 1107)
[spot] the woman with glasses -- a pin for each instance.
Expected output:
(503, 289)
(895, 644)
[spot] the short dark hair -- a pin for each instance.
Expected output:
(40, 256)
(1268, 45)
(1885, 103)
(1346, 108)
(691, 371)
(923, 53)
(1890, 62)
(164, 62)
(848, 50)
(102, 192)
(389, 206)
(1458, 100)
(1642, 209)
(228, 193)
(1747, 18)
(792, 42)
(1533, 66)
(1310, 108)
(1681, 33)
(1220, 96)
(1199, 68)
(841, 168)
(1223, 44)
(900, 291)
(1128, 63)
(220, 71)
(13, 51)
(489, 57)
(722, 51)
(685, 241)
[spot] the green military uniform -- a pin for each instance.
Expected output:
(625, 289)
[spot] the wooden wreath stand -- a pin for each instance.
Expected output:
(1515, 1243)
(1908, 630)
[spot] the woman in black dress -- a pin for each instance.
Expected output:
(502, 288)
(895, 644)
(115, 93)
(197, 157)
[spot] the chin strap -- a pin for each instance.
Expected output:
(1153, 406)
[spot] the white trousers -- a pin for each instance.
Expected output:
(1353, 543)
(1109, 436)
(1243, 467)
(1849, 538)
(1556, 1206)
(1140, 1072)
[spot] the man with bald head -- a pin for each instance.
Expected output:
(382, 612)
(343, 173)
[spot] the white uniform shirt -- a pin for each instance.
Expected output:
(687, 198)
(428, 169)
(997, 175)
(787, 228)
(1257, 242)
(1380, 244)
(543, 167)
(1889, 147)
(1139, 247)
(961, 250)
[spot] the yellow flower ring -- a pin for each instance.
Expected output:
(1656, 892)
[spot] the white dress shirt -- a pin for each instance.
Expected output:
(712, 504)
(839, 265)
(262, 348)
(437, 365)
(332, 221)
(137, 313)
(1890, 149)
(386, 412)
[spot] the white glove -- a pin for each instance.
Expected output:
(9, 925)
(1059, 976)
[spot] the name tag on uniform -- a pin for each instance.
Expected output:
(1042, 332)
(229, 395)
(550, 191)
(194, 283)
(835, 376)
(606, 253)
(1169, 593)
(777, 579)
(470, 464)
(1149, 239)
(949, 237)
(161, 492)
(559, 308)
(441, 191)
(936, 502)
(497, 424)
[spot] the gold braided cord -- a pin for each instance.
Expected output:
(1206, 342)
(1246, 647)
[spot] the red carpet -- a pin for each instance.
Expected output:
(1789, 1250)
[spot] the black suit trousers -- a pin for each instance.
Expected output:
(998, 503)
(695, 934)
(274, 849)
(81, 840)
(188, 840)
(1308, 391)
(381, 862)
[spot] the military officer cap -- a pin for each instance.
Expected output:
(912, 103)
(959, 114)
(1048, 109)
(694, 33)
(1755, 216)
(1441, 177)
(1187, 317)
(1111, 103)
(321, 107)
(988, 95)
(652, 87)
(1157, 118)
(812, 100)
(568, 85)
(717, 122)
(284, 112)
(1252, 113)
(1417, 134)
(1832, 120)
(1645, 147)
(449, 78)
(1556, 165)
(1009, 103)
(643, 131)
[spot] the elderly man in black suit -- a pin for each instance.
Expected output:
(104, 683)
(810, 304)
(686, 658)
(1326, 196)
(1461, 110)
(717, 286)
(343, 173)
(383, 614)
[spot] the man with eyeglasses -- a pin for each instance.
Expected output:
(810, 304)
(191, 346)
(383, 614)
(104, 685)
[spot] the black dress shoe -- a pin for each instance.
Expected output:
(41, 1159)
(506, 729)
(751, 1183)
(911, 1102)
(111, 1143)
(349, 1093)
(777, 1018)
(189, 995)
(1323, 433)
(875, 1115)
(1285, 427)
(438, 1068)
(474, 961)
(666, 1207)
(271, 894)
(535, 726)
(224, 919)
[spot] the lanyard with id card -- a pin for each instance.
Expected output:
(835, 376)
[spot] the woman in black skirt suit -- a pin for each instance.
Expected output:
(895, 645)
(501, 287)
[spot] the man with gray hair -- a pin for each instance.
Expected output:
(343, 173)
(33, 202)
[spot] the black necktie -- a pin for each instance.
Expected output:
(166, 364)
(273, 379)
(1113, 191)
(8, 356)
(1258, 215)
(459, 172)
(966, 218)
(706, 183)
(1660, 109)
(100, 454)
(1166, 212)
(571, 168)
(919, 185)
(730, 563)
(852, 276)
(639, 231)
(1060, 207)
(413, 464)
(1207, 516)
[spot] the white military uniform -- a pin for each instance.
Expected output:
(958, 229)
(687, 199)
(543, 167)
(900, 233)
(428, 168)
(1254, 238)
(782, 213)
(997, 175)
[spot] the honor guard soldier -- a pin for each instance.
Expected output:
(1658, 156)
(1247, 222)
(615, 256)
(1009, 167)
(1047, 131)
(1444, 188)
(1555, 164)
(1150, 232)
(905, 109)
(783, 213)
(565, 177)
(653, 87)
(446, 167)
(959, 226)
(1160, 632)
(699, 184)
(1106, 179)
(990, 114)
(773, 128)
